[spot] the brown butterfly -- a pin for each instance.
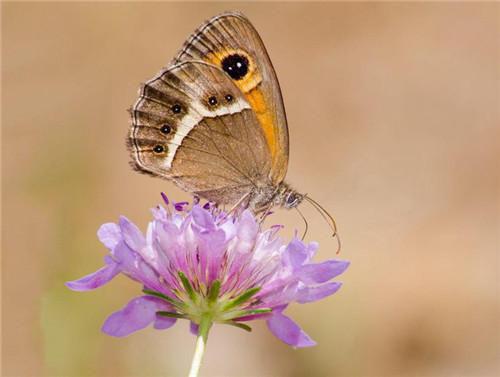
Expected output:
(213, 121)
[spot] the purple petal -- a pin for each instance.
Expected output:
(96, 279)
(296, 253)
(229, 229)
(315, 273)
(310, 294)
(162, 323)
(193, 328)
(133, 265)
(247, 227)
(160, 214)
(109, 234)
(132, 235)
(281, 296)
(288, 331)
(203, 218)
(138, 314)
(312, 248)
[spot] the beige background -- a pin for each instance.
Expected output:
(394, 122)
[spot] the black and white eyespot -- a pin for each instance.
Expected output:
(158, 149)
(235, 65)
(229, 98)
(176, 108)
(165, 129)
(212, 101)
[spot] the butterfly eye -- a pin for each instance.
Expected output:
(229, 98)
(291, 200)
(235, 66)
(158, 149)
(165, 129)
(176, 109)
(212, 101)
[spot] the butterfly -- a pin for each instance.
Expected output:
(214, 123)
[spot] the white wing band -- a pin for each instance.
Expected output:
(195, 115)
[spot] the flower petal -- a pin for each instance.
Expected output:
(95, 279)
(202, 218)
(163, 323)
(109, 234)
(136, 315)
(247, 227)
(315, 273)
(296, 253)
(193, 328)
(288, 331)
(132, 235)
(310, 294)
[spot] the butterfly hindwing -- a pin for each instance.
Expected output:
(193, 125)
(230, 42)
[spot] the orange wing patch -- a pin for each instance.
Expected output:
(258, 102)
(249, 85)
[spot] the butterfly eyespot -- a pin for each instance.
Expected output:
(176, 109)
(212, 101)
(235, 65)
(229, 98)
(166, 129)
(158, 149)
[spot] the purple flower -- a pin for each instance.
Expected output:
(203, 262)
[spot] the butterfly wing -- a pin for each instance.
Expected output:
(193, 125)
(229, 41)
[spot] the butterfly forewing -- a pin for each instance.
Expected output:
(230, 42)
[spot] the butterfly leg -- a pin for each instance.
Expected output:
(265, 213)
(237, 205)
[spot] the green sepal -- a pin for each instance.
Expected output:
(244, 313)
(171, 314)
(164, 297)
(238, 325)
(244, 297)
(187, 286)
(213, 292)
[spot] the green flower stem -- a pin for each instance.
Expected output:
(201, 341)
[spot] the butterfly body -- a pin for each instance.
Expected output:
(213, 121)
(263, 198)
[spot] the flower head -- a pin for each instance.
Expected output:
(201, 262)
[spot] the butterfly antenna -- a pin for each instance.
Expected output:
(305, 223)
(328, 218)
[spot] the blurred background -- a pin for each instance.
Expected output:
(394, 121)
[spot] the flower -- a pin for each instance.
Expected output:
(201, 262)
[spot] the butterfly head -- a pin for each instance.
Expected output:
(292, 199)
(287, 197)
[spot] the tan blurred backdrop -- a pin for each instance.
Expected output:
(394, 123)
